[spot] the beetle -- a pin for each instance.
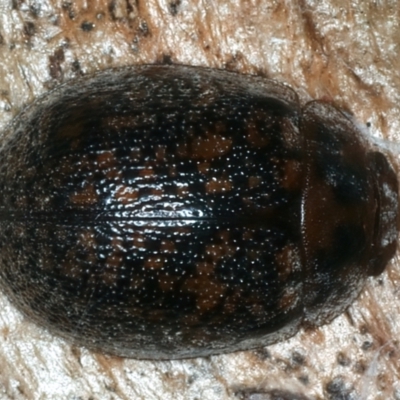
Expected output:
(165, 211)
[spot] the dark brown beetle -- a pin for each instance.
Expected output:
(171, 211)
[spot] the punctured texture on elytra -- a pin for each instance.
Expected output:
(171, 211)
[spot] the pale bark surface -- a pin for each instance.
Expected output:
(348, 52)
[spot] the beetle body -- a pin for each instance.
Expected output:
(170, 212)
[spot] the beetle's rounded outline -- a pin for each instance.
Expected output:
(295, 204)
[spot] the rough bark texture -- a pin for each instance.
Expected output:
(336, 50)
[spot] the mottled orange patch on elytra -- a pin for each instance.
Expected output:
(154, 262)
(108, 164)
(161, 153)
(146, 173)
(126, 194)
(218, 251)
(111, 275)
(254, 137)
(203, 167)
(232, 301)
(292, 175)
(258, 125)
(106, 159)
(254, 181)
(218, 185)
(182, 230)
(288, 299)
(210, 146)
(256, 308)
(84, 197)
(87, 239)
(113, 173)
(71, 130)
(156, 193)
(287, 260)
(182, 150)
(117, 244)
(204, 268)
(115, 260)
(210, 296)
(68, 167)
(208, 291)
(70, 263)
(69, 267)
(284, 260)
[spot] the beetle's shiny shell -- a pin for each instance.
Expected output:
(170, 211)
